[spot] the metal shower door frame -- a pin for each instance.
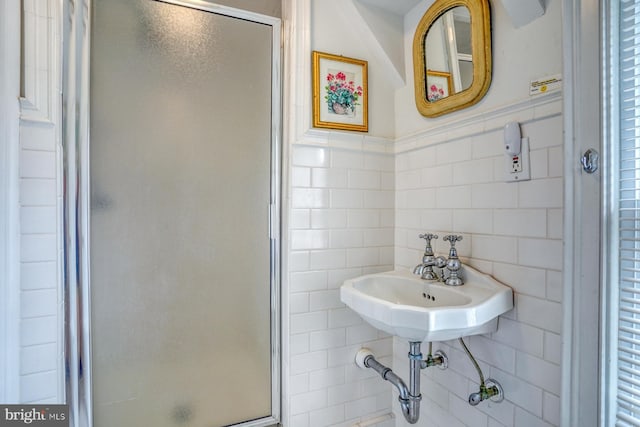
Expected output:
(75, 140)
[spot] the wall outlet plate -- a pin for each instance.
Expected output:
(517, 167)
(516, 164)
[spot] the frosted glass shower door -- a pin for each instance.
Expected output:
(180, 155)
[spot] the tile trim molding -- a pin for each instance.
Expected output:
(524, 111)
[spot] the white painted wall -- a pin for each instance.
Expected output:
(345, 232)
(40, 166)
(337, 28)
(387, 29)
(340, 210)
(9, 212)
(449, 179)
(340, 225)
(519, 55)
(436, 50)
(511, 231)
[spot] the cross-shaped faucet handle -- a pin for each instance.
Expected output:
(428, 237)
(452, 238)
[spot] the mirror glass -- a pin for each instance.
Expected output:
(448, 54)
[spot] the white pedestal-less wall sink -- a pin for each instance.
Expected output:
(404, 305)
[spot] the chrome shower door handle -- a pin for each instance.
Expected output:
(590, 160)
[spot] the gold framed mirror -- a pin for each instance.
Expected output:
(452, 56)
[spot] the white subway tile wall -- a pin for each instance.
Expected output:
(41, 372)
(341, 226)
(512, 231)
(40, 369)
(354, 211)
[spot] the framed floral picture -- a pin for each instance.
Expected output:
(339, 92)
(438, 85)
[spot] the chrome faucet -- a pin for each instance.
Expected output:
(429, 260)
(425, 269)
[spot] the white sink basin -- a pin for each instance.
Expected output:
(402, 304)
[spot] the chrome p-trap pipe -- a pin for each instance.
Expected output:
(409, 397)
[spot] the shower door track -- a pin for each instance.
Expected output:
(76, 32)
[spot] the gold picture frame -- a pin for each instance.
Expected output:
(340, 93)
(438, 85)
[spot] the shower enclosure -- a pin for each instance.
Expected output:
(172, 213)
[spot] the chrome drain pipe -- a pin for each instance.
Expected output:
(415, 366)
(409, 397)
(404, 397)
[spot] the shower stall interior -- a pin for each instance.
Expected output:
(172, 158)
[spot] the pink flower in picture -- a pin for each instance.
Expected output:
(438, 85)
(341, 94)
(435, 93)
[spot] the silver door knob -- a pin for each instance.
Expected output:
(590, 160)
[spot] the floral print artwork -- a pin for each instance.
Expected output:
(435, 93)
(341, 93)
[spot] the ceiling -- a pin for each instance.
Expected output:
(398, 7)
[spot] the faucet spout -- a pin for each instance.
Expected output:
(425, 270)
